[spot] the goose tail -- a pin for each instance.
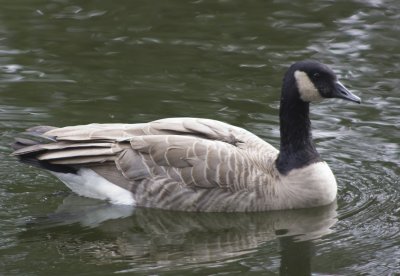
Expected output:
(29, 145)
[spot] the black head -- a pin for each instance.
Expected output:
(315, 81)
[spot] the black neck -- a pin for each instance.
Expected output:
(297, 148)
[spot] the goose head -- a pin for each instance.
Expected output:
(304, 82)
(312, 81)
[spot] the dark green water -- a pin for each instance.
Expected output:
(70, 62)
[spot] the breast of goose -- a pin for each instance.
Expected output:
(193, 164)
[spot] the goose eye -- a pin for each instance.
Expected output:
(316, 75)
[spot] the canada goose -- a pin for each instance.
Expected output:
(193, 164)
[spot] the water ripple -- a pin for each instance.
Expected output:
(65, 63)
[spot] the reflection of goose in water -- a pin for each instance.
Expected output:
(167, 239)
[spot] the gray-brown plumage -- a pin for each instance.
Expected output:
(180, 164)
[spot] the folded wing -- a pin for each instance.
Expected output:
(160, 158)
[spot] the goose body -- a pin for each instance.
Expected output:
(193, 164)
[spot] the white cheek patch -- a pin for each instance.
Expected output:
(308, 91)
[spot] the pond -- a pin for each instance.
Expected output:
(66, 62)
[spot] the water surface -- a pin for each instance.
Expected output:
(64, 62)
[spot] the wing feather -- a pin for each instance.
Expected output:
(202, 128)
(178, 159)
(72, 153)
